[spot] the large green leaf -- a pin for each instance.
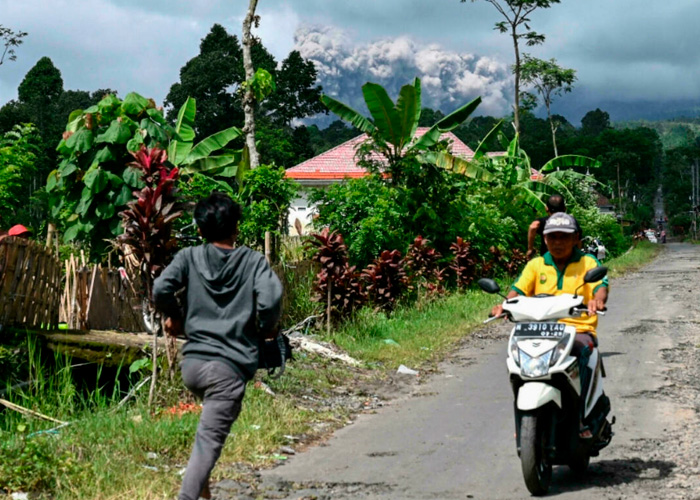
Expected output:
(212, 143)
(483, 145)
(408, 107)
(51, 181)
(96, 179)
(384, 114)
(445, 160)
(184, 126)
(132, 177)
(458, 116)
(117, 133)
(155, 132)
(71, 233)
(81, 140)
(210, 164)
(67, 169)
(86, 198)
(567, 161)
(348, 114)
(105, 210)
(427, 140)
(134, 104)
(125, 195)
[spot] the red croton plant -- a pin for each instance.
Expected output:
(464, 263)
(337, 283)
(422, 264)
(148, 222)
(386, 279)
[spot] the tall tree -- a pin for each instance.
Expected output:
(595, 122)
(549, 80)
(10, 39)
(40, 90)
(249, 92)
(516, 14)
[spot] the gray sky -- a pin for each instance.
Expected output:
(622, 49)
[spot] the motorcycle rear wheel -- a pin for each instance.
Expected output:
(537, 471)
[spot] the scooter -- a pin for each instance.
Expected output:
(546, 380)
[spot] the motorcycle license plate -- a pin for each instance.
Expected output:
(555, 330)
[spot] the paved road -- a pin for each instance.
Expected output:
(454, 437)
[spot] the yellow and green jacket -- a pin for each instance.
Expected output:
(541, 275)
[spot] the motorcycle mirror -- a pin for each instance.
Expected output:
(595, 274)
(488, 285)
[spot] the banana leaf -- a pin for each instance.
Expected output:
(384, 114)
(348, 114)
(567, 161)
(458, 116)
(408, 106)
(458, 165)
(482, 148)
(212, 143)
(213, 165)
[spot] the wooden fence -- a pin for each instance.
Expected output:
(30, 284)
(96, 298)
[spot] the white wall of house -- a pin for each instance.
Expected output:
(300, 209)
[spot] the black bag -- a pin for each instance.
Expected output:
(274, 354)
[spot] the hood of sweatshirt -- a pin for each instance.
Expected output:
(217, 267)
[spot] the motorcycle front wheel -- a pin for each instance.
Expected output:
(537, 470)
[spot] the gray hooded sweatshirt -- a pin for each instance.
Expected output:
(232, 298)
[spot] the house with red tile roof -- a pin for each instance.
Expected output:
(340, 163)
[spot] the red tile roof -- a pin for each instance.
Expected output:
(339, 162)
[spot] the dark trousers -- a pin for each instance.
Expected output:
(582, 349)
(222, 391)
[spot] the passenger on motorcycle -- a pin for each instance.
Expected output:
(561, 270)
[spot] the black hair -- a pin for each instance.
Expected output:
(217, 216)
(556, 203)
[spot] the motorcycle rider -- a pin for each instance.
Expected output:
(561, 270)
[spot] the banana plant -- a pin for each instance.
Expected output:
(393, 127)
(513, 171)
(199, 158)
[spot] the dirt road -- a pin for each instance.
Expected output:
(453, 438)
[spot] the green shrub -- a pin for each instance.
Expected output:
(602, 226)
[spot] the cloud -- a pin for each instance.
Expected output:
(449, 78)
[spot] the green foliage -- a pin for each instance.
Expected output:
(266, 195)
(19, 150)
(33, 464)
(92, 183)
(603, 226)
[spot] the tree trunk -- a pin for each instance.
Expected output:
(516, 107)
(249, 96)
(554, 129)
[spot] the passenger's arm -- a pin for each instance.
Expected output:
(531, 235)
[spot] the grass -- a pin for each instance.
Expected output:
(134, 453)
(634, 259)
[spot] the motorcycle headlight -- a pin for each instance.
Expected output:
(559, 350)
(535, 367)
(514, 351)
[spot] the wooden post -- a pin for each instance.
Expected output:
(154, 358)
(268, 247)
(328, 306)
(50, 233)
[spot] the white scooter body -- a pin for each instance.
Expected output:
(538, 350)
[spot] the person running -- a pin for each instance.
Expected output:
(233, 302)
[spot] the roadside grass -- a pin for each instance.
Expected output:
(131, 452)
(634, 259)
(414, 335)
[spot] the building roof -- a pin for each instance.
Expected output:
(339, 162)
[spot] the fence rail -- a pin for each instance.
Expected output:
(30, 284)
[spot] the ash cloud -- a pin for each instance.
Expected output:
(448, 78)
